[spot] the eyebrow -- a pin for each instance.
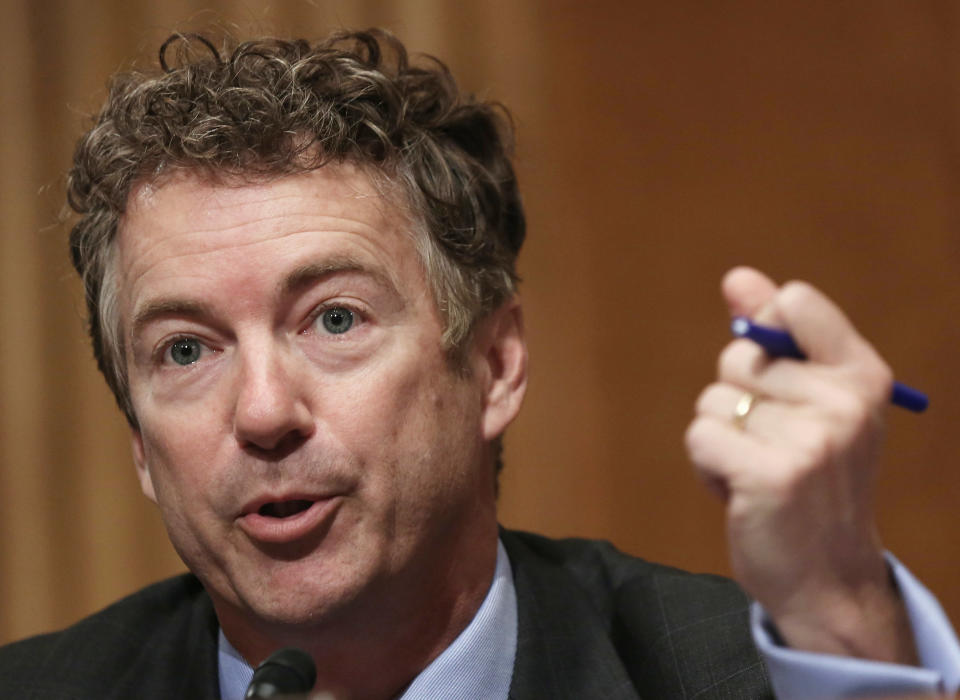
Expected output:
(166, 307)
(312, 273)
(298, 279)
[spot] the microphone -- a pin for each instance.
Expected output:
(285, 672)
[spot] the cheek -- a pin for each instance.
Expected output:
(431, 448)
(188, 425)
(180, 457)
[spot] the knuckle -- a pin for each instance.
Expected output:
(693, 437)
(708, 398)
(879, 377)
(699, 440)
(796, 293)
(885, 376)
(850, 411)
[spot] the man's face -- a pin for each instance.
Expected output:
(299, 424)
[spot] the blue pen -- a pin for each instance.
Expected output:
(779, 343)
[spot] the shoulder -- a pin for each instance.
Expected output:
(602, 569)
(115, 650)
(673, 631)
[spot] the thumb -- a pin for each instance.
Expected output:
(749, 292)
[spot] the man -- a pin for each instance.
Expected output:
(299, 269)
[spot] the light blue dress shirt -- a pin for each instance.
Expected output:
(802, 675)
(479, 663)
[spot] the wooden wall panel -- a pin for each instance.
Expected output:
(660, 143)
(814, 140)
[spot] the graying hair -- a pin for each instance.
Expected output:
(271, 107)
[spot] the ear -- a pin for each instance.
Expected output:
(503, 362)
(140, 460)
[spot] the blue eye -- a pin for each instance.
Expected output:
(337, 320)
(185, 351)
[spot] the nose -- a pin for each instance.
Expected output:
(272, 412)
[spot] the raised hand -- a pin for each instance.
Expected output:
(796, 468)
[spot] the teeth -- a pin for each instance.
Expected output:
(284, 509)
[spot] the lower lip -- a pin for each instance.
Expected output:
(281, 530)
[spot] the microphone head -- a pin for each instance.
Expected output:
(284, 672)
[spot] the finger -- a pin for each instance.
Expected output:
(821, 329)
(724, 454)
(745, 364)
(721, 401)
(785, 425)
(748, 292)
(741, 360)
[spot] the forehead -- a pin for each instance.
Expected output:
(189, 231)
(190, 210)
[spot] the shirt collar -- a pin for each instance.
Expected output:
(479, 662)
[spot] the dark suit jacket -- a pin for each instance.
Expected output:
(593, 623)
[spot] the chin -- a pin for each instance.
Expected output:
(299, 595)
(296, 612)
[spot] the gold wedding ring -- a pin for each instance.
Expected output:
(741, 411)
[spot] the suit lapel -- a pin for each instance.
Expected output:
(202, 676)
(183, 654)
(563, 644)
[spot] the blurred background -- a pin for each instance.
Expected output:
(660, 143)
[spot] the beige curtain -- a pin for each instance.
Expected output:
(660, 143)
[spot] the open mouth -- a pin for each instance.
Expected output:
(283, 509)
(289, 519)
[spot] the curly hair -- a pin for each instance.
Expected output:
(272, 107)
